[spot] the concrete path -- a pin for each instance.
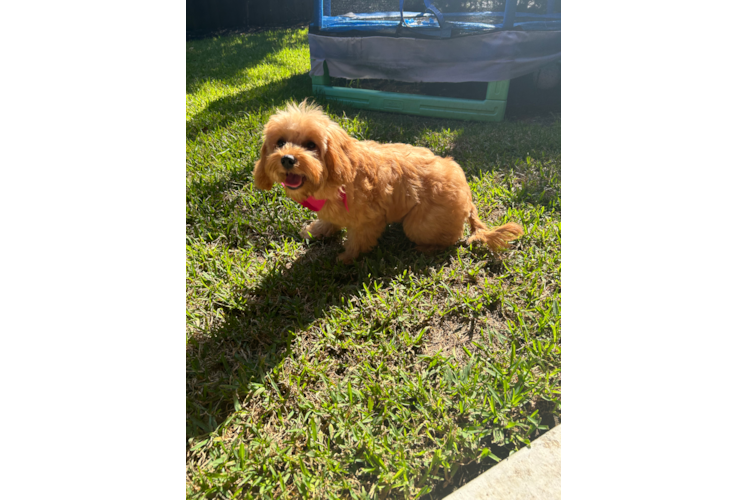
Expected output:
(531, 473)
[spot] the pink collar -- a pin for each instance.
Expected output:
(316, 205)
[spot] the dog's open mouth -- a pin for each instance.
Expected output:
(293, 181)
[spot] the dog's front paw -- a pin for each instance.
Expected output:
(319, 229)
(306, 232)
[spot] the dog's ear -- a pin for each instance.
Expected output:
(262, 180)
(337, 159)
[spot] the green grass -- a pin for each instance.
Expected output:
(398, 376)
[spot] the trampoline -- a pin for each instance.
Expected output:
(438, 46)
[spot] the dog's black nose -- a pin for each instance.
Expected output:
(288, 161)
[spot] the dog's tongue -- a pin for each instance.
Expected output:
(293, 180)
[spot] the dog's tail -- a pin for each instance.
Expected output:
(496, 239)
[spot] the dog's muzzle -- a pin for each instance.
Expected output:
(288, 162)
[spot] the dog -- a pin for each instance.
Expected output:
(363, 185)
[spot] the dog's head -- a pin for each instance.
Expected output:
(305, 151)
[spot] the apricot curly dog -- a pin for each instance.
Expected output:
(363, 185)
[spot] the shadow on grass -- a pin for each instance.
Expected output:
(223, 364)
(221, 113)
(471, 471)
(227, 58)
(527, 103)
(228, 364)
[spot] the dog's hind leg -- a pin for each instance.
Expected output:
(361, 239)
(433, 227)
(319, 229)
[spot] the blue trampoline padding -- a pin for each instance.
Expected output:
(447, 15)
(488, 57)
(385, 23)
(342, 24)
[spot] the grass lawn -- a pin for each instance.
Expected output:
(399, 376)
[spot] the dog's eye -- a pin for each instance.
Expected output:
(281, 143)
(310, 145)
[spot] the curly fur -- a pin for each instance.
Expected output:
(384, 183)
